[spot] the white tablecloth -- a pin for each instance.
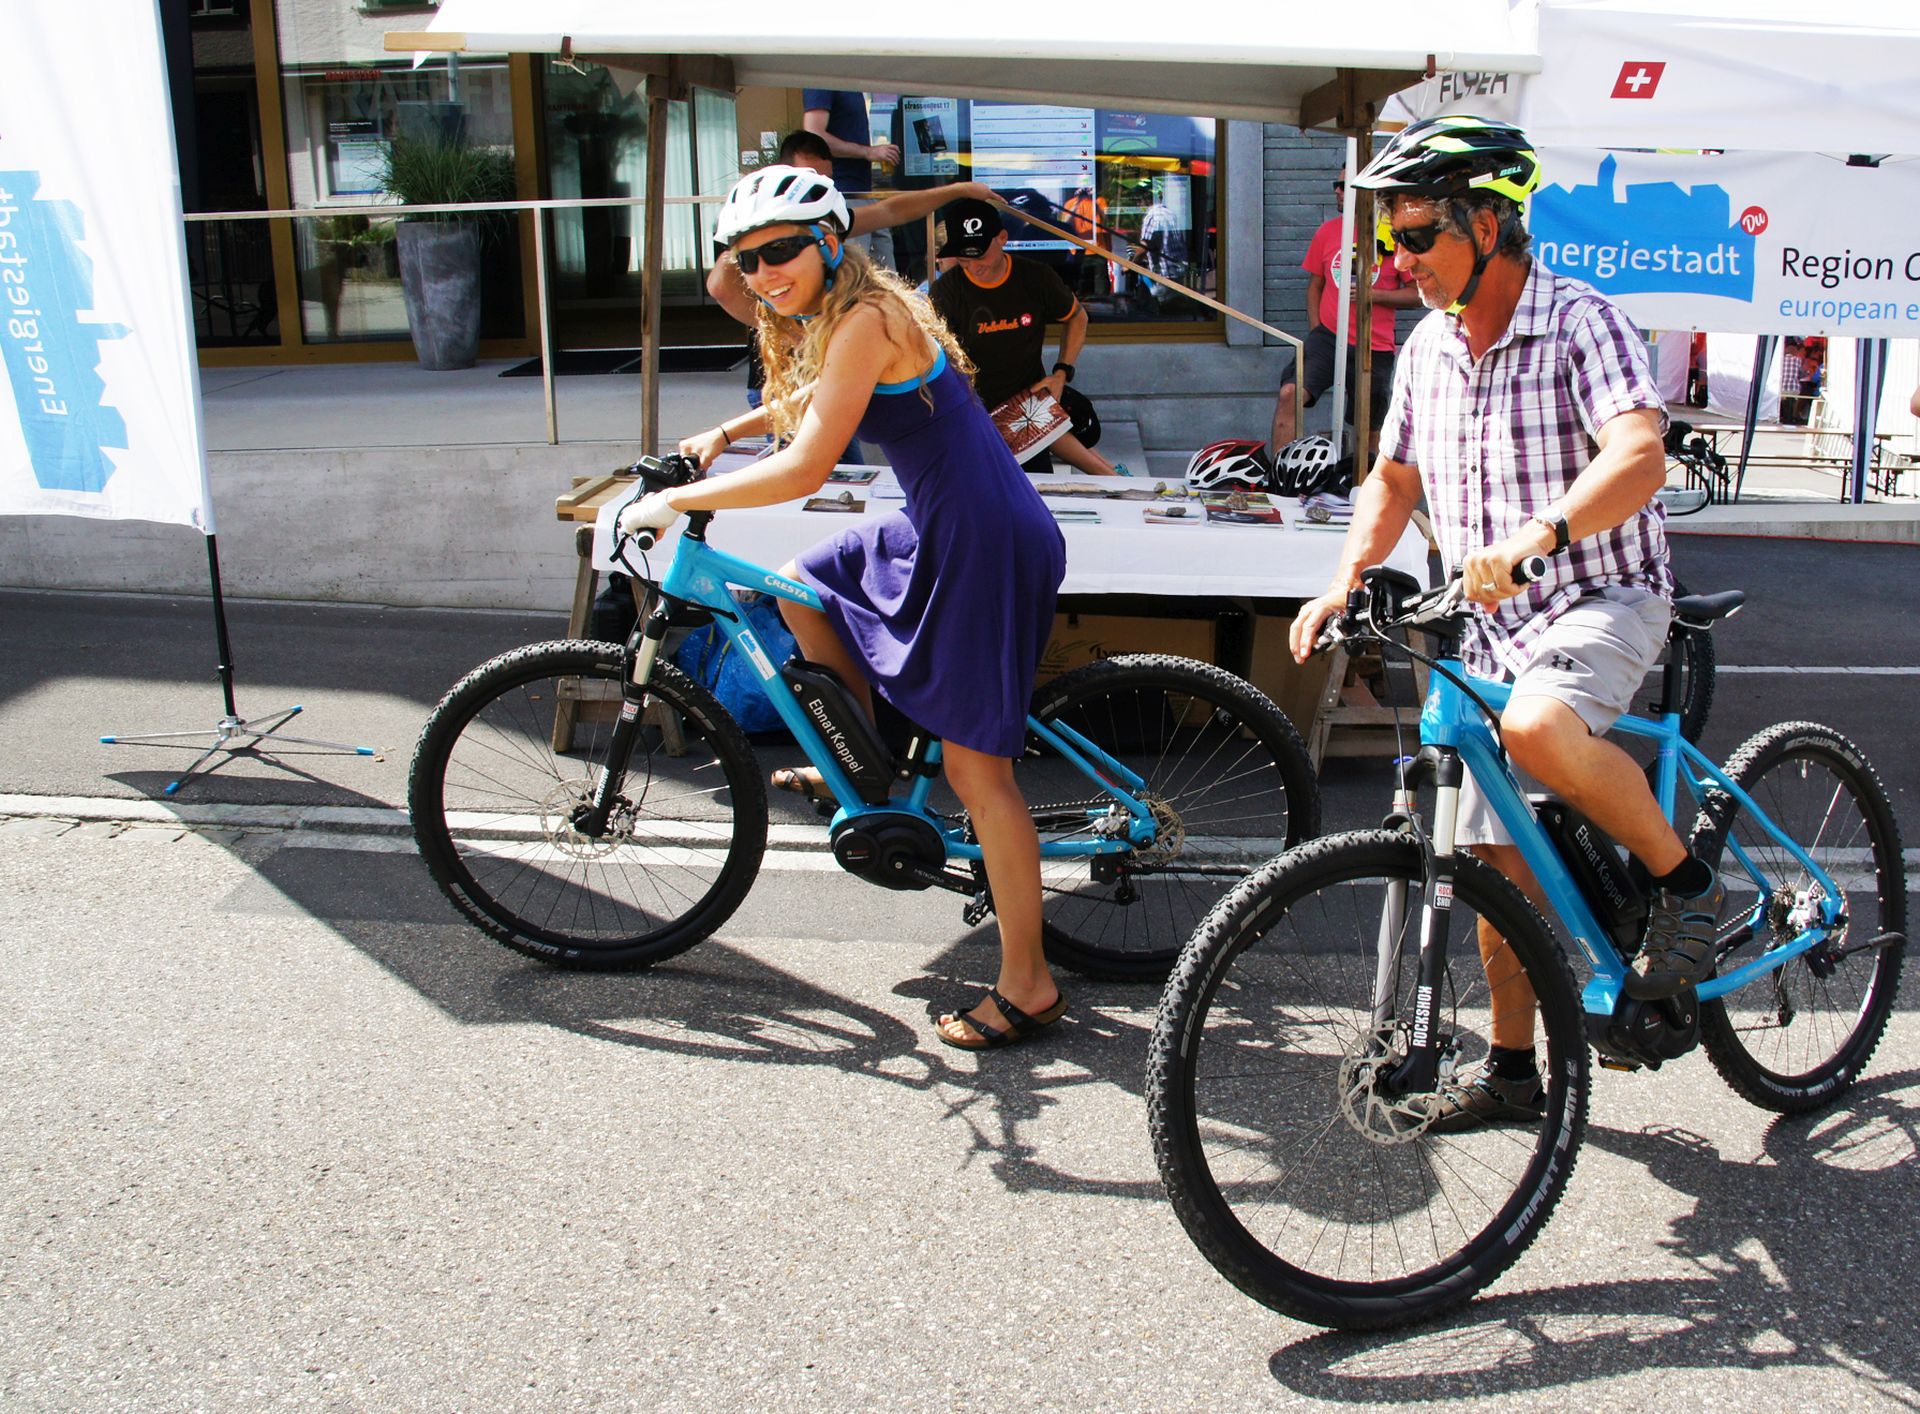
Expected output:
(1119, 555)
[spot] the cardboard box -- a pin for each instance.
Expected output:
(1087, 638)
(1296, 688)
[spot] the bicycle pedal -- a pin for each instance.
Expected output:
(1608, 1062)
(978, 908)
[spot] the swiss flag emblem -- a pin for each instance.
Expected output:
(1026, 321)
(1638, 79)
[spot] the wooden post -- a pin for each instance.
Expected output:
(653, 235)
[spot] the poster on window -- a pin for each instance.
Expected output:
(1773, 243)
(99, 391)
(930, 137)
(1035, 156)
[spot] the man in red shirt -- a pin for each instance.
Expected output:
(1326, 275)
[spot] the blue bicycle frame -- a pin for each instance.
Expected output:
(702, 575)
(1450, 719)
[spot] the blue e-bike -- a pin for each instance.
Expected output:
(593, 806)
(1322, 1006)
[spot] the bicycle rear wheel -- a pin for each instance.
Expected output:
(1697, 662)
(1295, 1169)
(1229, 781)
(493, 787)
(1793, 1038)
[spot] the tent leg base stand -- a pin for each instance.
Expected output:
(232, 729)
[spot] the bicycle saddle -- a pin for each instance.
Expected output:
(1700, 610)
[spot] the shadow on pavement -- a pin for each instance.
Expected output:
(1805, 1258)
(715, 1002)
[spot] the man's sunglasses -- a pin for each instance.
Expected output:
(1417, 239)
(777, 252)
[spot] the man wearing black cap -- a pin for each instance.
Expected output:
(999, 307)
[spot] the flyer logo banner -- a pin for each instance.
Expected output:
(1736, 242)
(50, 355)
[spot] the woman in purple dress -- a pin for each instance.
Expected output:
(943, 607)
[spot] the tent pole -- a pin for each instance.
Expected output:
(1364, 245)
(1762, 356)
(1869, 379)
(230, 728)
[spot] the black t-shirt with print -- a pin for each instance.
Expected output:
(1004, 328)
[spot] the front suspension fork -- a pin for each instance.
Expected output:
(1420, 1071)
(641, 652)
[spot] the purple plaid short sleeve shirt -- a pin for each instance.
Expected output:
(1501, 440)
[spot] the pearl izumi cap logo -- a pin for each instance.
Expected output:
(973, 225)
(50, 356)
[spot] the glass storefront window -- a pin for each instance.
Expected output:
(596, 142)
(1141, 184)
(345, 101)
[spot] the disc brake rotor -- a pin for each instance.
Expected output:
(557, 809)
(1379, 1117)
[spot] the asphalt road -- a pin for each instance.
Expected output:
(279, 1130)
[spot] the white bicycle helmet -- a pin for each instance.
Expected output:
(774, 195)
(1237, 463)
(1303, 466)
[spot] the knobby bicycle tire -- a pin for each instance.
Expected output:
(1268, 1134)
(1227, 775)
(1794, 1038)
(491, 796)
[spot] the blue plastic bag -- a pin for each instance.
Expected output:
(707, 656)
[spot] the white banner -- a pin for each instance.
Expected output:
(99, 389)
(1752, 75)
(1737, 242)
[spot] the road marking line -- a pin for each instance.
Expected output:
(1817, 672)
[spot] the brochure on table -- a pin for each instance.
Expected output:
(1121, 553)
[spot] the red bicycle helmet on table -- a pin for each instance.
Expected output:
(1236, 464)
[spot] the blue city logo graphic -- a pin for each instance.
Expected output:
(52, 358)
(1661, 239)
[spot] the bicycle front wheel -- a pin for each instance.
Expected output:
(1796, 1036)
(1300, 1170)
(1227, 777)
(520, 743)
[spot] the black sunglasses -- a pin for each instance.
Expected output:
(1417, 239)
(777, 252)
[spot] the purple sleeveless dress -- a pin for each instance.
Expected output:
(948, 603)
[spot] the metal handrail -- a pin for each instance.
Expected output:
(540, 207)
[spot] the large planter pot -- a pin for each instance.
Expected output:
(440, 276)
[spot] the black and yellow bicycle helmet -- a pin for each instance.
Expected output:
(1453, 157)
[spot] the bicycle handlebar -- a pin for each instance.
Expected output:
(1376, 592)
(655, 474)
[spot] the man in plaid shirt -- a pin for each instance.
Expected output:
(1523, 405)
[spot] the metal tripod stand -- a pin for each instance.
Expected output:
(232, 727)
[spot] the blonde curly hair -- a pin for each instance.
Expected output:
(793, 352)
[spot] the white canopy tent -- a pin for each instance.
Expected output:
(1282, 67)
(1749, 75)
(1740, 76)
(1319, 66)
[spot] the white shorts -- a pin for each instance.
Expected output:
(1593, 658)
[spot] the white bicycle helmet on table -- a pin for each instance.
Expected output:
(1304, 466)
(778, 196)
(1236, 464)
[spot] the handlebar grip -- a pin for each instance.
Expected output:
(1528, 570)
(646, 539)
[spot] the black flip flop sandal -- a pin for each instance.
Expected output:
(1019, 1027)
